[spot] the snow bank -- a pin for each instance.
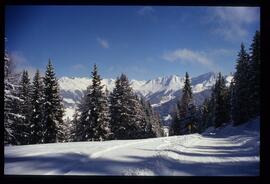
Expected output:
(251, 126)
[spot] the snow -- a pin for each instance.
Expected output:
(217, 152)
(168, 117)
(77, 83)
(228, 80)
(155, 105)
(198, 88)
(17, 115)
(68, 100)
(69, 112)
(146, 88)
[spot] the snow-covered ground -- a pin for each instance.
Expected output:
(226, 151)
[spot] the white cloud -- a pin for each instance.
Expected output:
(221, 52)
(18, 58)
(31, 71)
(238, 14)
(103, 43)
(232, 22)
(21, 64)
(146, 10)
(189, 56)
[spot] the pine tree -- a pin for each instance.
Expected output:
(216, 110)
(175, 126)
(220, 96)
(100, 116)
(65, 131)
(63, 126)
(53, 107)
(74, 129)
(95, 117)
(204, 118)
(137, 126)
(231, 98)
(240, 101)
(149, 119)
(83, 128)
(184, 120)
(11, 101)
(142, 126)
(120, 112)
(157, 128)
(127, 116)
(192, 118)
(23, 127)
(36, 120)
(153, 124)
(208, 113)
(186, 97)
(254, 76)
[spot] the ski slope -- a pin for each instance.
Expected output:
(229, 151)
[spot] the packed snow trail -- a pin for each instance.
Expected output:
(218, 152)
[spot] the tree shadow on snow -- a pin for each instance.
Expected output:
(157, 165)
(177, 167)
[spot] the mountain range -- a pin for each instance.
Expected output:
(162, 92)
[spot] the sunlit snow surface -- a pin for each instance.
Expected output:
(228, 151)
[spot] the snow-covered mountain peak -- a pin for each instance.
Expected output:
(160, 91)
(210, 76)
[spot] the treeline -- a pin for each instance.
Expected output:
(33, 111)
(236, 103)
(118, 115)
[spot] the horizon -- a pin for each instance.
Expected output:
(144, 42)
(164, 76)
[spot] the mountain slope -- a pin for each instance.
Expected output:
(162, 92)
(227, 151)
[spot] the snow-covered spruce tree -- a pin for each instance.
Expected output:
(11, 101)
(53, 108)
(67, 134)
(186, 97)
(241, 101)
(203, 115)
(95, 114)
(185, 121)
(157, 127)
(254, 76)
(63, 127)
(186, 105)
(23, 127)
(120, 112)
(222, 102)
(141, 128)
(127, 116)
(231, 97)
(74, 129)
(153, 124)
(83, 129)
(36, 119)
(147, 129)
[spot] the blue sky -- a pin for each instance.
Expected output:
(144, 42)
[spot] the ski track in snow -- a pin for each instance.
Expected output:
(229, 151)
